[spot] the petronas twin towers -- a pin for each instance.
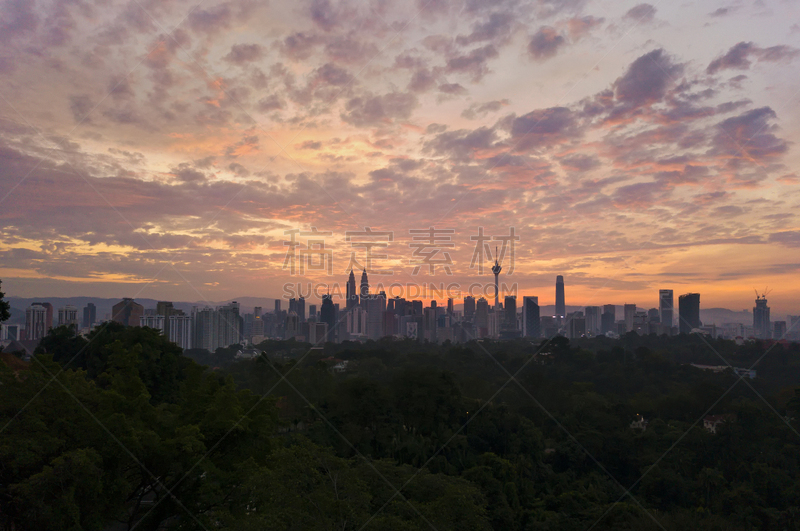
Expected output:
(353, 296)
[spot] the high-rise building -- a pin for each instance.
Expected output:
(416, 308)
(356, 323)
(205, 330)
(593, 324)
(166, 309)
(312, 312)
(156, 322)
(257, 311)
(364, 284)
(36, 321)
(180, 330)
(653, 315)
(469, 308)
(779, 330)
(230, 325)
(608, 319)
(509, 313)
(576, 325)
(327, 315)
(68, 316)
(688, 312)
(629, 312)
(89, 315)
(277, 306)
(127, 312)
(561, 308)
(761, 323)
(482, 317)
(352, 293)
(450, 306)
(666, 307)
(375, 306)
(530, 317)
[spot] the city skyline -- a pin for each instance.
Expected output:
(160, 151)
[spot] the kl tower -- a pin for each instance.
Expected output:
(496, 270)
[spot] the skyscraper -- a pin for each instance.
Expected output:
(277, 306)
(592, 320)
(36, 321)
(629, 313)
(68, 316)
(608, 318)
(530, 317)
(205, 332)
(450, 306)
(364, 284)
(469, 308)
(89, 315)
(327, 314)
(561, 307)
(510, 313)
(127, 312)
(688, 312)
(352, 294)
(665, 306)
(761, 323)
(482, 317)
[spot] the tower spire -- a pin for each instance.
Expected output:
(496, 270)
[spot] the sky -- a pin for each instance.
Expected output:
(175, 149)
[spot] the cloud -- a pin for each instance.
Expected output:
(545, 43)
(210, 20)
(474, 63)
(496, 28)
(544, 127)
(579, 162)
(422, 80)
(790, 238)
(299, 45)
(452, 88)
(17, 17)
(81, 105)
(738, 57)
(348, 50)
(369, 110)
(477, 110)
(246, 145)
(641, 13)
(579, 27)
(646, 81)
(244, 53)
(722, 11)
(461, 144)
(310, 144)
(324, 15)
(748, 137)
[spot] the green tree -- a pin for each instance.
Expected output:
(5, 306)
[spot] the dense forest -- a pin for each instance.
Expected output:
(124, 431)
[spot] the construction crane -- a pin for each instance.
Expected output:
(764, 293)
